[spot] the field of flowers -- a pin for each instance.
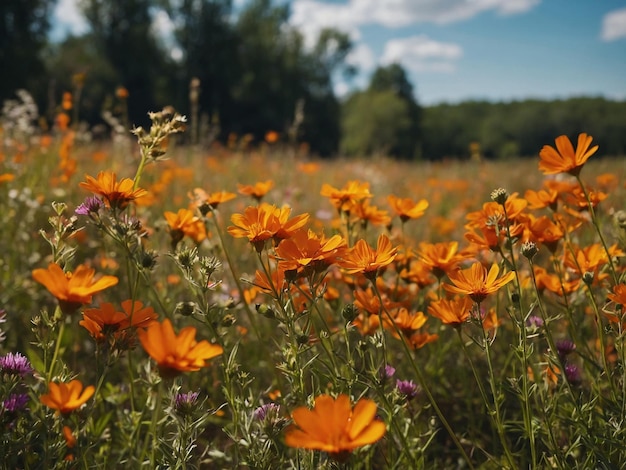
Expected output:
(239, 306)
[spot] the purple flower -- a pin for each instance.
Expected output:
(15, 364)
(407, 388)
(15, 402)
(387, 372)
(268, 410)
(91, 205)
(565, 347)
(534, 321)
(572, 373)
(185, 403)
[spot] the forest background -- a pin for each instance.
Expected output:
(250, 73)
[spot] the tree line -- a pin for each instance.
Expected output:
(248, 72)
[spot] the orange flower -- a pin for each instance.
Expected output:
(254, 224)
(476, 282)
(105, 319)
(406, 322)
(175, 354)
(72, 289)
(564, 159)
(452, 312)
(490, 320)
(363, 259)
(116, 193)
(406, 208)
(66, 397)
(483, 239)
(578, 200)
(492, 214)
(371, 214)
(5, 177)
(334, 426)
(121, 92)
(367, 300)
(440, 257)
(418, 273)
(421, 339)
(70, 439)
(367, 324)
(271, 137)
(591, 258)
(263, 222)
(201, 198)
(185, 223)
(345, 199)
(543, 198)
(285, 227)
(308, 168)
(615, 311)
(66, 103)
(257, 191)
(307, 250)
(62, 121)
(618, 295)
(543, 230)
(271, 286)
(553, 282)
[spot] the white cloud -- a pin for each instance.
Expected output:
(417, 53)
(420, 53)
(312, 15)
(361, 57)
(68, 17)
(614, 25)
(341, 88)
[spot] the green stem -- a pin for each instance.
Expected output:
(142, 164)
(236, 280)
(595, 224)
(602, 339)
(521, 326)
(57, 347)
(153, 434)
(424, 385)
(496, 401)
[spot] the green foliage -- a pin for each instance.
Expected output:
(122, 33)
(520, 128)
(24, 25)
(256, 74)
(373, 122)
(208, 43)
(384, 119)
(78, 56)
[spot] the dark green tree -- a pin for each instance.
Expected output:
(321, 126)
(24, 26)
(393, 78)
(278, 76)
(123, 33)
(206, 38)
(74, 56)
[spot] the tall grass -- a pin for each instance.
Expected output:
(532, 377)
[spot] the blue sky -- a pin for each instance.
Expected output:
(455, 50)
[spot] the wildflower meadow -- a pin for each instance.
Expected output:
(248, 306)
